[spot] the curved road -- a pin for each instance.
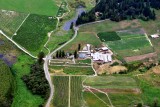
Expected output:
(46, 61)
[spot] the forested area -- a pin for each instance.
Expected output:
(36, 81)
(117, 10)
(6, 84)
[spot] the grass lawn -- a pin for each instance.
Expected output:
(59, 38)
(74, 70)
(22, 96)
(33, 33)
(7, 84)
(61, 86)
(42, 7)
(10, 21)
(127, 100)
(86, 61)
(108, 36)
(92, 101)
(111, 82)
(83, 39)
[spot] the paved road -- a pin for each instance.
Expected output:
(46, 61)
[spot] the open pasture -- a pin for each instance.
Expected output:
(10, 21)
(33, 33)
(42, 7)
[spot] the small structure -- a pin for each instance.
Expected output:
(86, 52)
(155, 36)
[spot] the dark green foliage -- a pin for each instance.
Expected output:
(139, 105)
(60, 54)
(108, 36)
(118, 10)
(75, 54)
(72, 24)
(40, 57)
(6, 85)
(114, 64)
(36, 81)
(79, 47)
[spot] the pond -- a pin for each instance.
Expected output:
(67, 25)
(9, 60)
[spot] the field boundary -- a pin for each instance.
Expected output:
(20, 26)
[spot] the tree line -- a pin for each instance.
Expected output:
(117, 10)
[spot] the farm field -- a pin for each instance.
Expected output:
(83, 39)
(42, 7)
(61, 70)
(76, 91)
(33, 33)
(22, 96)
(131, 43)
(10, 21)
(61, 85)
(67, 87)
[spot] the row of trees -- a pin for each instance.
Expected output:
(60, 54)
(118, 10)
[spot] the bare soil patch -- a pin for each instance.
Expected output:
(140, 57)
(156, 70)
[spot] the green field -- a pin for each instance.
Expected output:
(10, 21)
(131, 44)
(83, 39)
(108, 36)
(74, 70)
(42, 7)
(33, 33)
(62, 9)
(7, 85)
(61, 86)
(22, 96)
(111, 82)
(76, 91)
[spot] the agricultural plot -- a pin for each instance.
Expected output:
(76, 92)
(61, 95)
(67, 70)
(33, 33)
(68, 91)
(42, 7)
(108, 36)
(133, 42)
(10, 21)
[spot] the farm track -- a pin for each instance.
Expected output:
(20, 26)
(20, 47)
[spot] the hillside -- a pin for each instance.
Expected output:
(117, 10)
(7, 85)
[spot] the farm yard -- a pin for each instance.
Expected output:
(33, 33)
(42, 7)
(10, 21)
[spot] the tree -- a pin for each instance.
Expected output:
(79, 47)
(155, 103)
(71, 26)
(60, 54)
(57, 54)
(63, 54)
(75, 54)
(139, 105)
(40, 57)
